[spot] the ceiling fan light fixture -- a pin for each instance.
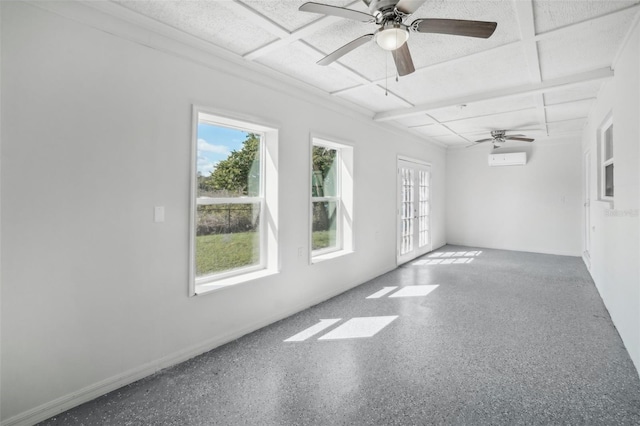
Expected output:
(392, 36)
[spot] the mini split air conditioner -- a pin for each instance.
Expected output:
(510, 159)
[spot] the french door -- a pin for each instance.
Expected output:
(414, 210)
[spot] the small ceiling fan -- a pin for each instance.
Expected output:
(499, 137)
(392, 33)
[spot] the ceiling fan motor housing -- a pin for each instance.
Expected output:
(381, 7)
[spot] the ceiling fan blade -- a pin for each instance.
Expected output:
(409, 6)
(513, 138)
(480, 29)
(483, 140)
(326, 9)
(345, 49)
(402, 58)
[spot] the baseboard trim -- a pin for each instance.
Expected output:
(520, 249)
(586, 258)
(86, 394)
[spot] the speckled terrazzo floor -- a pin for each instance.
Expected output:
(506, 338)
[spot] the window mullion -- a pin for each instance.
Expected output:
(207, 201)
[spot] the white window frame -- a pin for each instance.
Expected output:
(343, 200)
(603, 161)
(267, 200)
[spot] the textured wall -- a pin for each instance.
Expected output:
(96, 132)
(615, 245)
(535, 207)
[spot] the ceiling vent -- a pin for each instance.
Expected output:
(510, 159)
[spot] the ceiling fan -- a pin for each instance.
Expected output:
(392, 33)
(499, 137)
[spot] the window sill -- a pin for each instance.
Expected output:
(213, 286)
(328, 256)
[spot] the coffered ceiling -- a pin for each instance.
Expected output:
(538, 74)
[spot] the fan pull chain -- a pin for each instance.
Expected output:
(386, 76)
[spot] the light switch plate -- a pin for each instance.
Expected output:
(158, 214)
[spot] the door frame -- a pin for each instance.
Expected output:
(586, 253)
(429, 246)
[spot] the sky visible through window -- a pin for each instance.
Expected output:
(215, 143)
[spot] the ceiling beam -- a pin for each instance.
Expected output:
(526, 21)
(528, 89)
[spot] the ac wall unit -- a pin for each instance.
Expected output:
(510, 159)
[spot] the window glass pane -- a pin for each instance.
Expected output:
(227, 237)
(608, 180)
(228, 162)
(608, 143)
(324, 224)
(324, 174)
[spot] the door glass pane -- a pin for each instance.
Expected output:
(423, 214)
(407, 218)
(323, 232)
(227, 237)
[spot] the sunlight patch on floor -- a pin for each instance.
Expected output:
(359, 327)
(380, 293)
(313, 330)
(414, 291)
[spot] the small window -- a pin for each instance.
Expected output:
(606, 171)
(331, 198)
(232, 197)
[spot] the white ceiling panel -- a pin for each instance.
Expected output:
(373, 98)
(573, 93)
(286, 13)
(569, 110)
(453, 140)
(490, 71)
(514, 120)
(569, 126)
(299, 62)
(210, 21)
(592, 45)
(428, 49)
(476, 109)
(433, 130)
(550, 15)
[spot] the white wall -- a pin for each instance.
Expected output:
(615, 248)
(535, 207)
(96, 132)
